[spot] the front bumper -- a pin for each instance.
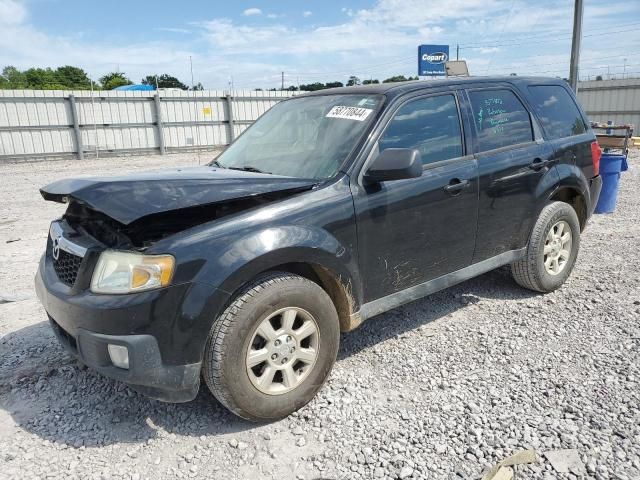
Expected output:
(141, 322)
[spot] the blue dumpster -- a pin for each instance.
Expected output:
(611, 164)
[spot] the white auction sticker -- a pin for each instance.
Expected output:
(349, 113)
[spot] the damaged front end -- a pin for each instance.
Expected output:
(143, 232)
(132, 213)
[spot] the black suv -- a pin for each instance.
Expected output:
(333, 207)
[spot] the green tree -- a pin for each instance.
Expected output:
(113, 80)
(13, 78)
(398, 78)
(353, 80)
(73, 78)
(62, 78)
(312, 87)
(42, 79)
(334, 84)
(371, 82)
(164, 81)
(197, 87)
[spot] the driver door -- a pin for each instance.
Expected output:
(414, 230)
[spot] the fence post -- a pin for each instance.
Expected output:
(156, 102)
(230, 119)
(76, 126)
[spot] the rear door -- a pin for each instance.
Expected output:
(564, 126)
(414, 230)
(513, 160)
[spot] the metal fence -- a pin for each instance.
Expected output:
(615, 100)
(53, 123)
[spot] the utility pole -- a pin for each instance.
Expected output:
(578, 11)
(191, 68)
(457, 51)
(282, 85)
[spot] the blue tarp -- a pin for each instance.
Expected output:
(138, 88)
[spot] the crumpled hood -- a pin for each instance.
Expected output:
(129, 198)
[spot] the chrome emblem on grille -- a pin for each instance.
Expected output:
(55, 251)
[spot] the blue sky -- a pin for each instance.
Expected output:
(251, 42)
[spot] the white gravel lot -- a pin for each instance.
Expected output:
(441, 388)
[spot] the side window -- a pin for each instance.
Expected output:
(430, 125)
(501, 119)
(557, 111)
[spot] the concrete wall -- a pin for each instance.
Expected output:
(49, 123)
(616, 100)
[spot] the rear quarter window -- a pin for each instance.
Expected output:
(500, 118)
(556, 110)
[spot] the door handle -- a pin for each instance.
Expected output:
(456, 185)
(538, 163)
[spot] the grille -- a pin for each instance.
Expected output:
(66, 267)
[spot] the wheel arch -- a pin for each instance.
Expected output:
(574, 197)
(572, 188)
(339, 289)
(312, 253)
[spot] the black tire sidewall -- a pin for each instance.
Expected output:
(564, 212)
(294, 292)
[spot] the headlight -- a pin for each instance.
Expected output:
(125, 272)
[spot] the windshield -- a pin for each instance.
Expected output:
(306, 137)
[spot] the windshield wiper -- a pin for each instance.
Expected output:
(249, 169)
(215, 163)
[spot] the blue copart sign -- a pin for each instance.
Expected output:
(431, 59)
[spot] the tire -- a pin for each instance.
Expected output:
(236, 334)
(530, 272)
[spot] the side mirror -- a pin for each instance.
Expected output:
(395, 164)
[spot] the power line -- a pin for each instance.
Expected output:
(563, 62)
(549, 40)
(540, 35)
(504, 24)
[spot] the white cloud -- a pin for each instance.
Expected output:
(173, 30)
(307, 13)
(251, 12)
(374, 42)
(12, 12)
(486, 50)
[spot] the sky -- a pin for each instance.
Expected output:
(248, 44)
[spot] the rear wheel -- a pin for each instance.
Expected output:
(273, 347)
(552, 250)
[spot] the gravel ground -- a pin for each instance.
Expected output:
(441, 388)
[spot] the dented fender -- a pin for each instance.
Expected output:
(316, 228)
(246, 257)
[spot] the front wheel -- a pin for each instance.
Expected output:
(552, 249)
(273, 347)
